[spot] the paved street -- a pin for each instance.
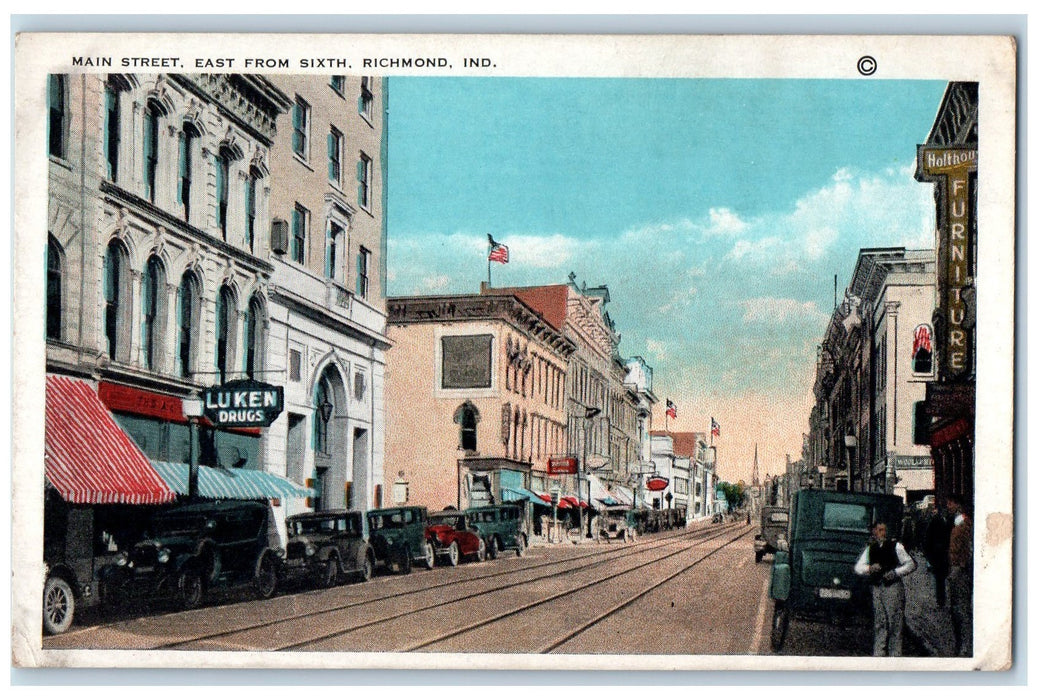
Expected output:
(678, 592)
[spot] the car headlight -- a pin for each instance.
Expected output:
(310, 550)
(163, 556)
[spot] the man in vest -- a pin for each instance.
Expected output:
(886, 562)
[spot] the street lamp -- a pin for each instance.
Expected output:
(589, 415)
(850, 442)
(192, 408)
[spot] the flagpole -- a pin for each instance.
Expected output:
(489, 285)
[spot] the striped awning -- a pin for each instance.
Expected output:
(519, 494)
(218, 482)
(88, 458)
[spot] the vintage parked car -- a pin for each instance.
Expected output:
(80, 543)
(617, 523)
(454, 537)
(328, 546)
(501, 527)
(398, 539)
(813, 572)
(773, 522)
(193, 549)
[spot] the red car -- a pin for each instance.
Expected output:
(453, 537)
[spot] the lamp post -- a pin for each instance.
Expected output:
(850, 442)
(589, 414)
(192, 408)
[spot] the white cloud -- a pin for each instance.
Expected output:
(543, 251)
(774, 310)
(657, 348)
(723, 221)
(435, 283)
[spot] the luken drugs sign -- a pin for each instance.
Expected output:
(243, 404)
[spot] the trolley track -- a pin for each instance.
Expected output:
(596, 559)
(425, 644)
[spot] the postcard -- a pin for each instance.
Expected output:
(514, 351)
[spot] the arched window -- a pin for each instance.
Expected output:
(253, 356)
(54, 280)
(323, 412)
(186, 162)
(116, 294)
(188, 310)
(223, 177)
(112, 130)
(250, 209)
(226, 316)
(153, 307)
(467, 417)
(152, 127)
(922, 349)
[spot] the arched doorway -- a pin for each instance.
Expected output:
(331, 477)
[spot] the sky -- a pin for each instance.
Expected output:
(716, 211)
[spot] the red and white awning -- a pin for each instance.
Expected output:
(88, 458)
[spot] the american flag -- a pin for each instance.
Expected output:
(715, 427)
(672, 410)
(498, 252)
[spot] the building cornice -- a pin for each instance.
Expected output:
(306, 307)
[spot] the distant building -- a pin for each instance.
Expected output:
(689, 463)
(476, 398)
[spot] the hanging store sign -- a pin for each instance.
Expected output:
(657, 483)
(951, 169)
(243, 403)
(562, 465)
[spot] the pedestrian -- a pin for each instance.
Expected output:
(886, 562)
(960, 575)
(935, 547)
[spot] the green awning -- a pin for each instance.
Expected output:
(519, 494)
(219, 482)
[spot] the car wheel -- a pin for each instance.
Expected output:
(481, 553)
(190, 588)
(779, 626)
(520, 545)
(492, 548)
(428, 555)
(267, 578)
(453, 554)
(405, 561)
(59, 605)
(367, 570)
(330, 572)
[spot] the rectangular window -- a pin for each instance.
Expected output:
(57, 111)
(366, 98)
(845, 516)
(335, 156)
(466, 361)
(295, 365)
(151, 151)
(338, 83)
(301, 128)
(364, 181)
(112, 132)
(300, 223)
(363, 262)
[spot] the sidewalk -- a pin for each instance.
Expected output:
(931, 625)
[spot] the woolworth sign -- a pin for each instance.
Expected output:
(243, 403)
